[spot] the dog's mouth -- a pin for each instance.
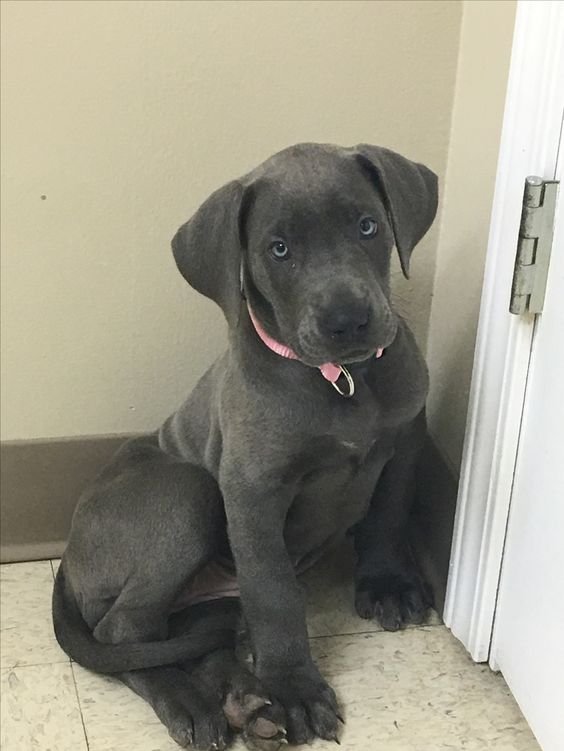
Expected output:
(360, 355)
(317, 353)
(317, 359)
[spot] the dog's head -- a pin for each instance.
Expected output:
(312, 230)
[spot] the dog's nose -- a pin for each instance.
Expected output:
(347, 323)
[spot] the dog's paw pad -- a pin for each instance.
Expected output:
(239, 706)
(265, 730)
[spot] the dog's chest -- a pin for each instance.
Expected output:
(371, 417)
(341, 466)
(332, 494)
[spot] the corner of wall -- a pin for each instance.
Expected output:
(481, 79)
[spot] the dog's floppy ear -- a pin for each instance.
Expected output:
(410, 192)
(207, 249)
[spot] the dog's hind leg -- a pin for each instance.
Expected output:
(148, 524)
(223, 679)
(189, 716)
(204, 706)
(189, 706)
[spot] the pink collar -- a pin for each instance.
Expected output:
(329, 370)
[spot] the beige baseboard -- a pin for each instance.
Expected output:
(32, 551)
(42, 480)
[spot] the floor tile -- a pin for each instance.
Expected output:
(330, 597)
(25, 615)
(416, 690)
(40, 710)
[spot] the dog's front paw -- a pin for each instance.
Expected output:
(308, 701)
(394, 599)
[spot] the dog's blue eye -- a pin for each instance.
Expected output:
(368, 226)
(279, 250)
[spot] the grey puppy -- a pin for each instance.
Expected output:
(273, 458)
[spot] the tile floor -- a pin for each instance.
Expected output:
(415, 690)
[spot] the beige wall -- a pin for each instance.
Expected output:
(119, 118)
(485, 47)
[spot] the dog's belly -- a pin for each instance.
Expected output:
(213, 582)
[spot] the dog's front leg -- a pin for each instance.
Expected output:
(389, 586)
(274, 608)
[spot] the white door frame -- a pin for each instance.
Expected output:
(529, 146)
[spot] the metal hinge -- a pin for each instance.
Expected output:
(533, 246)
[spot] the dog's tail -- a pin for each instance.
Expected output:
(76, 639)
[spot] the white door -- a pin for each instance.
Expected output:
(530, 141)
(528, 637)
(505, 595)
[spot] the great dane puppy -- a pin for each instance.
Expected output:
(308, 427)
